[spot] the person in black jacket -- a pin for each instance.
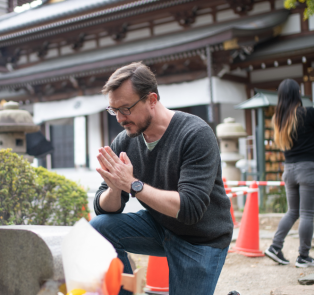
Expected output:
(170, 162)
(294, 134)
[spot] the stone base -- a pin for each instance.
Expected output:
(293, 290)
(307, 280)
(30, 256)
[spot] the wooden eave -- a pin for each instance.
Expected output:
(95, 62)
(91, 19)
(292, 48)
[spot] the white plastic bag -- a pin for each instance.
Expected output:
(86, 257)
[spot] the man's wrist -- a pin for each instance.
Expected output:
(114, 190)
(136, 187)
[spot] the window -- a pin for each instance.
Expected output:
(19, 142)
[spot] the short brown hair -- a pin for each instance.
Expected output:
(142, 78)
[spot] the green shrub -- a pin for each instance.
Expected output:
(31, 195)
(277, 201)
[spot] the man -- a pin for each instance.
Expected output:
(170, 162)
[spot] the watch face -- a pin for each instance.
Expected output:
(137, 186)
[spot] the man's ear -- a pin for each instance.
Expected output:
(153, 98)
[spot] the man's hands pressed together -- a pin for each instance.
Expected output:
(118, 175)
(116, 171)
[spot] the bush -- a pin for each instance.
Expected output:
(31, 195)
(277, 201)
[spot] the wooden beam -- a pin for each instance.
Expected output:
(237, 79)
(271, 84)
(177, 78)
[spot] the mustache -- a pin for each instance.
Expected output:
(126, 123)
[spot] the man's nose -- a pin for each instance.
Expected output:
(120, 117)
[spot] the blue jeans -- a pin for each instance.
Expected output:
(193, 269)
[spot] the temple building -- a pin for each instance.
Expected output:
(208, 56)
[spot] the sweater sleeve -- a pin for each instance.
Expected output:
(103, 187)
(198, 173)
(99, 210)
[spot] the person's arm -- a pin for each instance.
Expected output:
(119, 174)
(165, 202)
(108, 198)
(199, 173)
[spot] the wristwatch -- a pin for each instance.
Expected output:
(136, 187)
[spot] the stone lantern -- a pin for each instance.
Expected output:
(14, 124)
(229, 133)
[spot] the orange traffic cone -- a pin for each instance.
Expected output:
(248, 239)
(235, 223)
(157, 278)
(89, 216)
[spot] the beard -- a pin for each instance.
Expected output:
(141, 127)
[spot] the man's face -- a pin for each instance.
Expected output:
(140, 118)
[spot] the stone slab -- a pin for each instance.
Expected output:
(30, 256)
(293, 290)
(307, 280)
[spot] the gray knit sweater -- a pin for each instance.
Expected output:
(186, 160)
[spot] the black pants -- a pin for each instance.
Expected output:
(299, 183)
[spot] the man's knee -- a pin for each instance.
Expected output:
(101, 223)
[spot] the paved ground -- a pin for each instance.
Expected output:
(250, 276)
(260, 276)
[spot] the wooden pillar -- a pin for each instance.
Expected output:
(304, 23)
(306, 79)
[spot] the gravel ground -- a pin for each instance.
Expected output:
(259, 275)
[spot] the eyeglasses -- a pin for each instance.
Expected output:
(123, 110)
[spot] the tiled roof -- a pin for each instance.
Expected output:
(66, 12)
(159, 46)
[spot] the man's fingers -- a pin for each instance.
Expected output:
(107, 156)
(112, 154)
(105, 175)
(105, 164)
(102, 165)
(126, 158)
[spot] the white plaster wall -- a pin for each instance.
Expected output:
(138, 34)
(106, 41)
(279, 4)
(239, 72)
(311, 23)
(203, 20)
(280, 73)
(292, 25)
(66, 50)
(88, 45)
(167, 28)
(22, 60)
(3, 6)
(33, 57)
(228, 92)
(94, 139)
(226, 15)
(79, 141)
(52, 53)
(260, 8)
